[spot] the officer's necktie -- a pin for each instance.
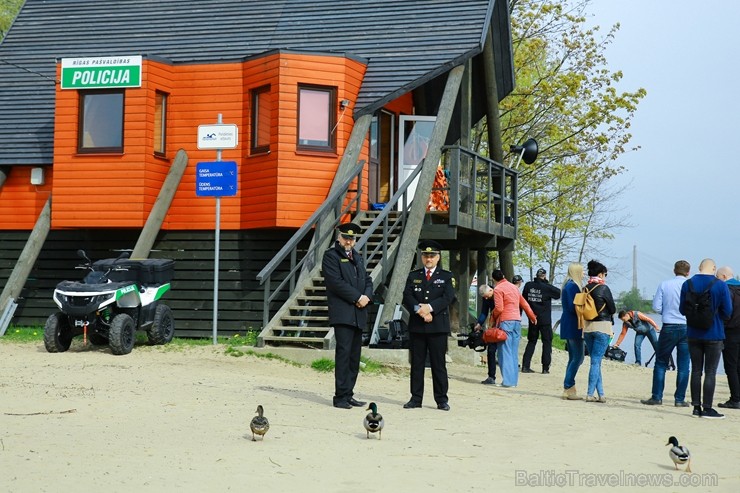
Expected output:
(349, 254)
(429, 274)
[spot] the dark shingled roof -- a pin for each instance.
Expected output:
(406, 43)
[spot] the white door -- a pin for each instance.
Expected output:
(413, 142)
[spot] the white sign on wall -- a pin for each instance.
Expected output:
(217, 136)
(101, 72)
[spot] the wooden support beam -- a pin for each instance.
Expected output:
(495, 145)
(28, 256)
(417, 211)
(161, 206)
(463, 287)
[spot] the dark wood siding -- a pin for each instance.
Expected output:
(242, 256)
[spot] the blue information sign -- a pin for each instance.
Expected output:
(216, 179)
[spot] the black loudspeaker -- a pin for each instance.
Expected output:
(528, 150)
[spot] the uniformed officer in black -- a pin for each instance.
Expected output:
(427, 296)
(539, 294)
(349, 289)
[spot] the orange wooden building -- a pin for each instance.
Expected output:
(96, 100)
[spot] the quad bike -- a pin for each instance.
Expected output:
(117, 297)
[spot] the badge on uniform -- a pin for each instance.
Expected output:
(344, 260)
(417, 281)
(453, 282)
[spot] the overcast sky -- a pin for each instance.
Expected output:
(682, 200)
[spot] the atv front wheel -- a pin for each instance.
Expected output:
(122, 334)
(163, 326)
(57, 333)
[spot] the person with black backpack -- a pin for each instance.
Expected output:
(705, 301)
(731, 351)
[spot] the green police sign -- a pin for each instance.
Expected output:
(101, 72)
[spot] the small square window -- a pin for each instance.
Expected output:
(317, 118)
(101, 122)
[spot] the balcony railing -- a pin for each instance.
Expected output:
(483, 193)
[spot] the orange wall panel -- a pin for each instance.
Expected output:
(20, 202)
(279, 188)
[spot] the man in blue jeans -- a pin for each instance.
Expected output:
(643, 326)
(667, 301)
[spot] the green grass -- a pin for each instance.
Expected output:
(23, 334)
(271, 356)
(367, 365)
(36, 334)
(557, 342)
(323, 365)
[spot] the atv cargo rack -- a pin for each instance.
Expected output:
(144, 271)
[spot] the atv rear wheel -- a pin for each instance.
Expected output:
(57, 333)
(163, 326)
(122, 334)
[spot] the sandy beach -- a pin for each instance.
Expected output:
(176, 419)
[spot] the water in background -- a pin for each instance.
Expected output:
(628, 344)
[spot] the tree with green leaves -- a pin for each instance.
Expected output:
(8, 11)
(566, 99)
(632, 300)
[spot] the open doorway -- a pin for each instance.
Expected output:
(382, 153)
(414, 133)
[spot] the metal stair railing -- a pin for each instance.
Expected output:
(334, 202)
(381, 254)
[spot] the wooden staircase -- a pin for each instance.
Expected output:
(304, 318)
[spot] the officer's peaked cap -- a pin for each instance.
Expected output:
(349, 229)
(430, 246)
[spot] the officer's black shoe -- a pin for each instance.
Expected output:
(411, 404)
(443, 406)
(527, 370)
(354, 402)
(343, 405)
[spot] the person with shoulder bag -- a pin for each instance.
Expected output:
(597, 332)
(571, 331)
